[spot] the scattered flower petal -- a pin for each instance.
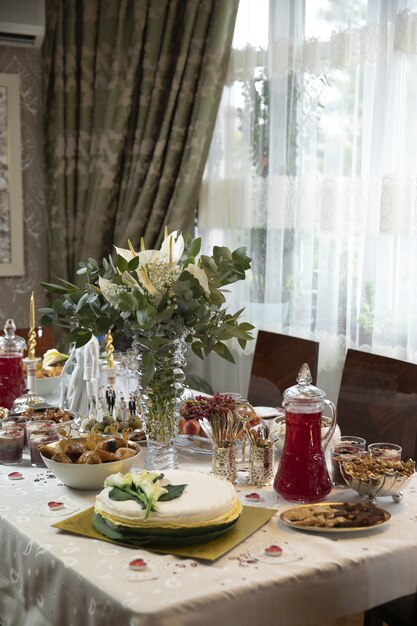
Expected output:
(273, 550)
(138, 564)
(15, 476)
(254, 497)
(55, 506)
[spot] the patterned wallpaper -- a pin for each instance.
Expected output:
(15, 290)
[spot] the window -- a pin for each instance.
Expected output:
(313, 167)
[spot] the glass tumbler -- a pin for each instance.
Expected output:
(39, 433)
(385, 451)
(345, 449)
(11, 443)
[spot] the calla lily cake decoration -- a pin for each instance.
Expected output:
(163, 299)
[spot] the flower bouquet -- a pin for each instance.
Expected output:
(163, 299)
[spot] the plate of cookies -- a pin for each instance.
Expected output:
(335, 517)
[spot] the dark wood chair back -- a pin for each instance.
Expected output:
(378, 400)
(45, 338)
(276, 363)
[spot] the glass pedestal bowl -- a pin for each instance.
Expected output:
(391, 482)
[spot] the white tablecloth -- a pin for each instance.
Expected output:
(53, 578)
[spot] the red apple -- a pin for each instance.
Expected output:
(254, 421)
(181, 423)
(192, 427)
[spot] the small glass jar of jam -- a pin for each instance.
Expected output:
(11, 443)
(385, 451)
(40, 433)
(345, 449)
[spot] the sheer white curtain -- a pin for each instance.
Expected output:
(313, 166)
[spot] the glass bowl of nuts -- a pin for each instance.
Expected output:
(375, 477)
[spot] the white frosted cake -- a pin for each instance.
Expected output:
(207, 504)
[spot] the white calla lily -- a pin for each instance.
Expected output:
(200, 275)
(52, 357)
(126, 254)
(119, 480)
(143, 476)
(149, 256)
(155, 492)
(148, 483)
(172, 248)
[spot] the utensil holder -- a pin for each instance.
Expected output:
(224, 463)
(261, 465)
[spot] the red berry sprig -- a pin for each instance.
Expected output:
(203, 406)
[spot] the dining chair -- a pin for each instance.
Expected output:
(399, 612)
(378, 400)
(45, 338)
(276, 363)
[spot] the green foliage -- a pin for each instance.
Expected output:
(156, 296)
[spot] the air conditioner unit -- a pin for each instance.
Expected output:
(22, 23)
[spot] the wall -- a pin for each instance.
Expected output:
(15, 291)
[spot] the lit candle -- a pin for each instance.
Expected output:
(32, 332)
(32, 311)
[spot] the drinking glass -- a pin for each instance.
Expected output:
(385, 451)
(11, 443)
(346, 448)
(40, 432)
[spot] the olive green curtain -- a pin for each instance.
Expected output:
(132, 89)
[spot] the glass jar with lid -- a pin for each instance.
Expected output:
(12, 380)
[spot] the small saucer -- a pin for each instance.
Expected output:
(44, 509)
(267, 412)
(288, 553)
(155, 567)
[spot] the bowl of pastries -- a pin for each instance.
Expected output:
(85, 462)
(377, 477)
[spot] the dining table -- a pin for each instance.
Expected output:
(53, 578)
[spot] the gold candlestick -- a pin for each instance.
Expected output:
(108, 343)
(32, 331)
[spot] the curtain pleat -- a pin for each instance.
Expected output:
(131, 96)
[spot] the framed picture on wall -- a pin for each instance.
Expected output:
(11, 206)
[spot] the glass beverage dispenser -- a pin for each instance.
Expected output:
(302, 474)
(12, 380)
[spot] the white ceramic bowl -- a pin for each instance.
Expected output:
(86, 476)
(48, 385)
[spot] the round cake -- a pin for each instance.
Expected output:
(206, 506)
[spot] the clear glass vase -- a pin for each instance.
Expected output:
(160, 399)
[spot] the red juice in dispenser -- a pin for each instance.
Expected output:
(12, 380)
(302, 474)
